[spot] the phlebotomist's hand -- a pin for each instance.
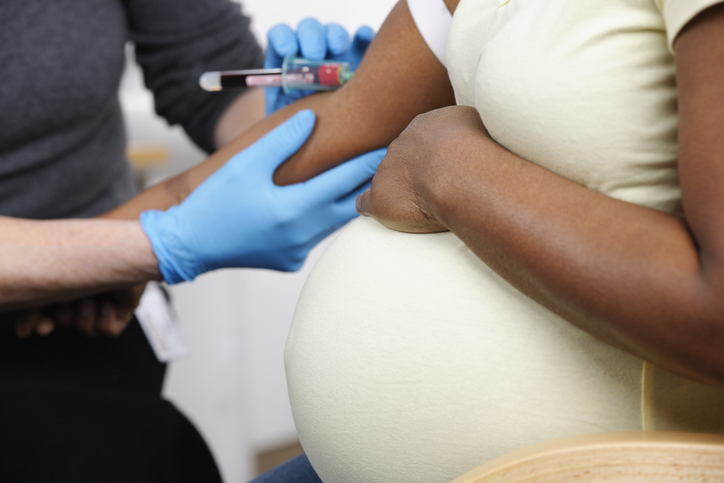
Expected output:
(238, 217)
(314, 41)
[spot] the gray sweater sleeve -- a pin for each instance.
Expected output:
(176, 41)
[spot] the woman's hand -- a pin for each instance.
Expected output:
(404, 192)
(107, 314)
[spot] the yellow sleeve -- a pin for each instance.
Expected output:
(677, 13)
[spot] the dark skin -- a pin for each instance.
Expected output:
(645, 281)
(367, 113)
(107, 314)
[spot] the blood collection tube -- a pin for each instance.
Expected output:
(295, 73)
(316, 75)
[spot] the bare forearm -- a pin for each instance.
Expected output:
(367, 113)
(46, 261)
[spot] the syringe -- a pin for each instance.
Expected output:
(295, 73)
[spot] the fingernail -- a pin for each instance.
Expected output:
(22, 331)
(24, 325)
(45, 327)
(359, 205)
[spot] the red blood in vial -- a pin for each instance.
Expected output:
(329, 75)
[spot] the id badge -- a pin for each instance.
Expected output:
(160, 324)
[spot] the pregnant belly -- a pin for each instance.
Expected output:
(410, 360)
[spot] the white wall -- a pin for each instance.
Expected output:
(235, 322)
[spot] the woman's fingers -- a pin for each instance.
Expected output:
(106, 323)
(85, 319)
(26, 322)
(45, 326)
(63, 314)
(107, 314)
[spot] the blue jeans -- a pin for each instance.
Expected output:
(296, 470)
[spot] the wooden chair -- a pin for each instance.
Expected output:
(632, 457)
(145, 157)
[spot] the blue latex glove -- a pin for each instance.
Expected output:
(312, 41)
(238, 217)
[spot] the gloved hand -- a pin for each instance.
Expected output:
(314, 41)
(238, 217)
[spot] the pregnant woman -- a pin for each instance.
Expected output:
(574, 279)
(578, 284)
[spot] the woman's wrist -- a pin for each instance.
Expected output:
(446, 187)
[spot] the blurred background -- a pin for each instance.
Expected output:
(234, 322)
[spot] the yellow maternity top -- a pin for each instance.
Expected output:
(409, 360)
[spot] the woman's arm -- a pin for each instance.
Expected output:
(367, 113)
(370, 111)
(385, 94)
(645, 281)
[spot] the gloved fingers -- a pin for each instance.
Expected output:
(275, 99)
(292, 97)
(362, 38)
(360, 42)
(296, 258)
(282, 41)
(337, 39)
(271, 97)
(345, 209)
(312, 39)
(324, 220)
(321, 236)
(345, 178)
(296, 261)
(350, 201)
(269, 152)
